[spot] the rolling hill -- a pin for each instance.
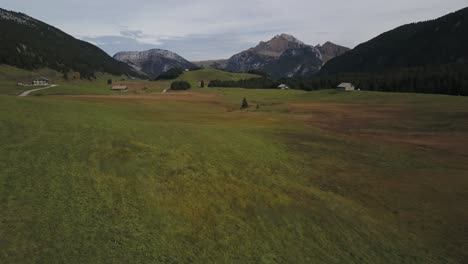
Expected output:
(28, 43)
(207, 75)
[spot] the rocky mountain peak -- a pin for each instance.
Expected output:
(16, 17)
(148, 54)
(289, 38)
(329, 50)
(284, 56)
(278, 45)
(153, 62)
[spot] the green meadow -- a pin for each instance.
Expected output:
(307, 177)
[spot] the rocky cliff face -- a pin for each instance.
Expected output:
(284, 56)
(216, 64)
(330, 50)
(153, 62)
(296, 62)
(264, 53)
(278, 45)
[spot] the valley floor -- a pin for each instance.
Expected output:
(307, 177)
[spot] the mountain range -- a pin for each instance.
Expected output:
(31, 44)
(430, 50)
(283, 56)
(153, 62)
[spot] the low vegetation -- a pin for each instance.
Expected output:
(447, 79)
(171, 74)
(206, 75)
(180, 85)
(326, 176)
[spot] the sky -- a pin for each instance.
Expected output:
(217, 29)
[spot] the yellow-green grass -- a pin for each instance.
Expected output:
(115, 180)
(10, 76)
(206, 75)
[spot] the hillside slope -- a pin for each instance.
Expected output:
(31, 44)
(435, 42)
(206, 75)
(330, 50)
(216, 64)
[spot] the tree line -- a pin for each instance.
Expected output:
(449, 79)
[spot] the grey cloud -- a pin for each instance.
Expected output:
(132, 33)
(193, 47)
(114, 44)
(210, 29)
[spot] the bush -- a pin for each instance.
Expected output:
(180, 85)
(171, 74)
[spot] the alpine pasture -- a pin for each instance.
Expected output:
(93, 176)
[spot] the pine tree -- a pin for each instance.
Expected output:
(245, 104)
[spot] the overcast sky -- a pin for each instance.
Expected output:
(214, 29)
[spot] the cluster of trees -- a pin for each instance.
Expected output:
(449, 79)
(255, 83)
(171, 74)
(309, 84)
(174, 73)
(180, 85)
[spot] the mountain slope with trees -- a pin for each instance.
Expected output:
(424, 57)
(28, 43)
(429, 43)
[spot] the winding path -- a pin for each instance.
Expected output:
(26, 93)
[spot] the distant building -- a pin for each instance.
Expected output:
(119, 88)
(283, 87)
(40, 81)
(347, 86)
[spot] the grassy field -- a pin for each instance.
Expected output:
(10, 76)
(184, 177)
(194, 77)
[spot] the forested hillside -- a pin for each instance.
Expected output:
(31, 44)
(430, 43)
